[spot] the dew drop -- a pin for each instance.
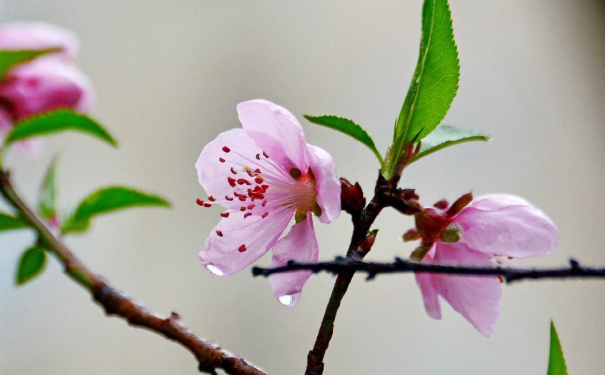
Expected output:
(214, 269)
(286, 300)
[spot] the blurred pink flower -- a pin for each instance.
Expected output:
(491, 226)
(47, 83)
(265, 174)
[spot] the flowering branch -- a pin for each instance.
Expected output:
(209, 356)
(373, 269)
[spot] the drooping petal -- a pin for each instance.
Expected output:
(300, 245)
(328, 185)
(38, 35)
(429, 294)
(476, 298)
(276, 131)
(46, 84)
(507, 225)
(238, 241)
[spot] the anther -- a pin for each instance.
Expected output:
(219, 233)
(250, 206)
(265, 215)
(221, 160)
(265, 155)
(231, 181)
(226, 149)
(247, 214)
(224, 214)
(242, 248)
(228, 198)
(233, 171)
(207, 205)
(259, 180)
(242, 198)
(242, 208)
(211, 198)
(199, 202)
(264, 203)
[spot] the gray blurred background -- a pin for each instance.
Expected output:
(169, 75)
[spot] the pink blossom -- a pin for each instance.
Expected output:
(47, 83)
(264, 175)
(491, 226)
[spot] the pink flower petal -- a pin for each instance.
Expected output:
(276, 131)
(300, 245)
(477, 299)
(46, 84)
(507, 225)
(242, 241)
(38, 35)
(328, 185)
(429, 294)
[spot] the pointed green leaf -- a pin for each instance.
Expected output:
(57, 121)
(9, 222)
(348, 127)
(31, 264)
(9, 59)
(445, 136)
(556, 360)
(47, 205)
(107, 200)
(434, 84)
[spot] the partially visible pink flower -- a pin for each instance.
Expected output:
(47, 83)
(38, 35)
(491, 226)
(264, 175)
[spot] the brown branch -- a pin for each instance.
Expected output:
(386, 194)
(210, 357)
(404, 266)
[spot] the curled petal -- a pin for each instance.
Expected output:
(46, 84)
(429, 294)
(477, 299)
(328, 186)
(276, 131)
(242, 241)
(38, 35)
(300, 245)
(507, 225)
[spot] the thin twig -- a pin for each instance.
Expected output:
(372, 269)
(210, 356)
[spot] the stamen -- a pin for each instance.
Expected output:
(225, 214)
(219, 233)
(226, 149)
(242, 248)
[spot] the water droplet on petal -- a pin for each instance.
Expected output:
(214, 269)
(286, 300)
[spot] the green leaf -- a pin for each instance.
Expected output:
(57, 121)
(348, 127)
(445, 136)
(556, 360)
(9, 222)
(47, 205)
(434, 84)
(107, 200)
(31, 264)
(8, 59)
